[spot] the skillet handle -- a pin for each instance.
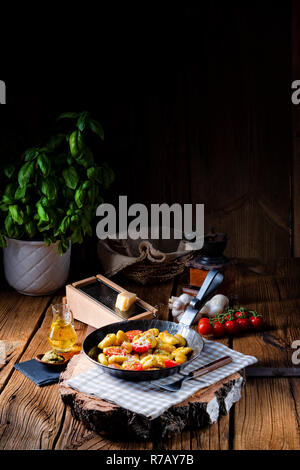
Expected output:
(211, 282)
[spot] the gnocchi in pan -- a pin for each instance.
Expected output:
(141, 350)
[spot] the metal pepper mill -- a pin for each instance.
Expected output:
(211, 257)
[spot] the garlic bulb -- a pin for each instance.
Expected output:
(180, 303)
(216, 304)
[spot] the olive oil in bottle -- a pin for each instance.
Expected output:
(62, 335)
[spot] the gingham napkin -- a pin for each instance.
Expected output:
(146, 399)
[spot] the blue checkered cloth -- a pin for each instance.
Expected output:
(144, 397)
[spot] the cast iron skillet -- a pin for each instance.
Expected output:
(194, 340)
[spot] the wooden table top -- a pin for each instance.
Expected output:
(267, 416)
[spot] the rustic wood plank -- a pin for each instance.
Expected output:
(75, 436)
(267, 417)
(30, 416)
(20, 316)
(273, 400)
(277, 297)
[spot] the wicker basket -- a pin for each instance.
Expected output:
(144, 261)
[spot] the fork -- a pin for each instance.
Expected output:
(175, 386)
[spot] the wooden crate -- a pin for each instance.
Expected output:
(93, 313)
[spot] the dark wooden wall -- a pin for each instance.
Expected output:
(295, 193)
(216, 129)
(212, 123)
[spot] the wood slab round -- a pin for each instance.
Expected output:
(199, 410)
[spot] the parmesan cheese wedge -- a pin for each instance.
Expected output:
(125, 300)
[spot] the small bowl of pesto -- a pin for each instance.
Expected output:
(52, 358)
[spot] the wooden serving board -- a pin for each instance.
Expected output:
(201, 409)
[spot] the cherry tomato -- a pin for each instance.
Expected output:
(218, 330)
(132, 333)
(204, 320)
(257, 322)
(231, 327)
(205, 328)
(243, 324)
(134, 366)
(170, 363)
(239, 314)
(113, 350)
(229, 317)
(141, 347)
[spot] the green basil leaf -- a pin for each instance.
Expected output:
(80, 141)
(18, 231)
(45, 201)
(86, 184)
(65, 224)
(80, 197)
(71, 177)
(25, 173)
(43, 216)
(9, 190)
(2, 241)
(25, 199)
(48, 188)
(73, 144)
(63, 245)
(96, 127)
(77, 236)
(30, 154)
(4, 207)
(30, 229)
(94, 173)
(75, 219)
(9, 170)
(7, 199)
(43, 226)
(43, 162)
(9, 226)
(47, 240)
(68, 115)
(85, 159)
(16, 214)
(20, 192)
(82, 120)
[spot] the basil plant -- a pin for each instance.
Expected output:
(53, 192)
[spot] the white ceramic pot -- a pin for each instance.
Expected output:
(32, 268)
